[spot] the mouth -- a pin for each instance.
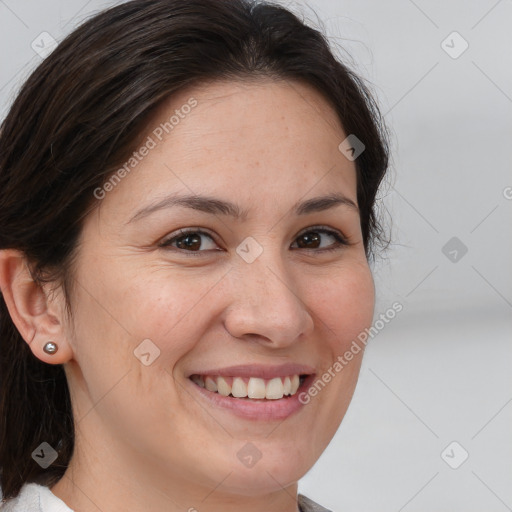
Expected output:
(250, 388)
(260, 393)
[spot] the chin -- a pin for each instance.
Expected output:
(256, 482)
(277, 468)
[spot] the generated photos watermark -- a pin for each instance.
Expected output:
(348, 355)
(151, 142)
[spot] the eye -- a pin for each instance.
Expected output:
(190, 240)
(312, 239)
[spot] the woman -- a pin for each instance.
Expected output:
(187, 212)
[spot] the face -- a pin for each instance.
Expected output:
(174, 299)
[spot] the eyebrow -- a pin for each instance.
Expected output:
(217, 206)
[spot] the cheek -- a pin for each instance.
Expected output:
(117, 311)
(169, 309)
(151, 299)
(159, 308)
(345, 303)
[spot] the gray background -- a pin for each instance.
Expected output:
(440, 371)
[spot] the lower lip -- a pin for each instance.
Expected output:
(261, 410)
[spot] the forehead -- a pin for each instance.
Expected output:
(264, 140)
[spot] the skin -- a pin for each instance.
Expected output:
(142, 441)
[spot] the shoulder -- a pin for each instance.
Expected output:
(307, 505)
(34, 498)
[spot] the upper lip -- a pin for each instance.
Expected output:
(259, 370)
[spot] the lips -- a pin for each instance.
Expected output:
(256, 392)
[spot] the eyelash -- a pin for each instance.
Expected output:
(340, 243)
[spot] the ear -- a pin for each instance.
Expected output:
(38, 318)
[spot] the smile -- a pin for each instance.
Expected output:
(253, 392)
(250, 387)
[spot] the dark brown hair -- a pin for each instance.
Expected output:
(79, 115)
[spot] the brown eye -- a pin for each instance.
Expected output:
(191, 241)
(309, 240)
(312, 239)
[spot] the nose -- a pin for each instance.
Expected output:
(266, 306)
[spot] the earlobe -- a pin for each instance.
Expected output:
(50, 347)
(51, 352)
(31, 311)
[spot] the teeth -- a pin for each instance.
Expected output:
(223, 387)
(275, 389)
(239, 388)
(210, 384)
(295, 384)
(198, 381)
(254, 387)
(287, 388)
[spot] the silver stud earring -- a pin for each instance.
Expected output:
(50, 347)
